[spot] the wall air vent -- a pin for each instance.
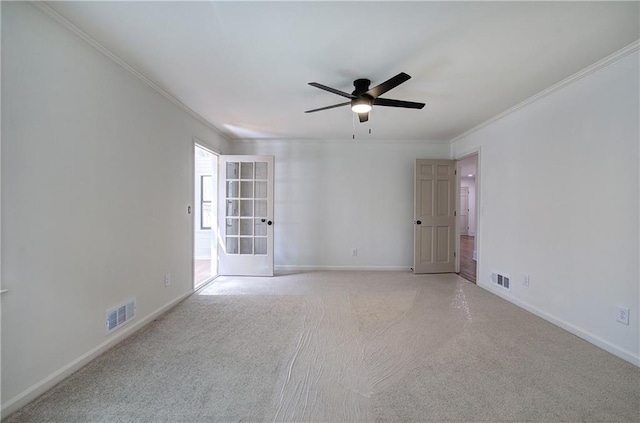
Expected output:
(120, 315)
(501, 280)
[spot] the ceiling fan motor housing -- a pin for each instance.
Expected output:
(362, 86)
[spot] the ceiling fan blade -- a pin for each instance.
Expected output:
(328, 107)
(331, 90)
(389, 84)
(363, 117)
(397, 103)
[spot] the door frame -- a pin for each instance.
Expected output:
(197, 143)
(461, 209)
(477, 151)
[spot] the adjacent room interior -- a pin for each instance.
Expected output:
(123, 122)
(468, 216)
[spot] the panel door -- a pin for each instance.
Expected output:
(464, 211)
(434, 216)
(246, 215)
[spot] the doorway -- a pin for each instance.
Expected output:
(468, 216)
(205, 225)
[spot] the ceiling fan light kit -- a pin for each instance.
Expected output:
(361, 105)
(363, 98)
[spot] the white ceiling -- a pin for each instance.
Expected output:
(244, 66)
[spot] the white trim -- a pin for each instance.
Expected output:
(200, 285)
(198, 143)
(336, 141)
(625, 51)
(475, 151)
(4, 290)
(205, 146)
(58, 376)
(47, 10)
(310, 267)
(589, 337)
(457, 230)
(202, 258)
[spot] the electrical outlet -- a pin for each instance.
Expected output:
(167, 279)
(526, 280)
(623, 315)
(354, 252)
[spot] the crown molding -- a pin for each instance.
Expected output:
(47, 10)
(618, 55)
(311, 141)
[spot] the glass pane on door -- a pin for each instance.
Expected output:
(262, 170)
(246, 170)
(242, 191)
(232, 245)
(261, 208)
(246, 245)
(246, 227)
(232, 226)
(232, 170)
(261, 246)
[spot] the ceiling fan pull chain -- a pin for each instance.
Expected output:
(353, 126)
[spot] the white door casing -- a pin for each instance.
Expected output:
(246, 215)
(464, 211)
(434, 216)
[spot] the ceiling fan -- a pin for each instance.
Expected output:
(362, 98)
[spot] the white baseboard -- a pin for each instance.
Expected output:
(475, 255)
(309, 268)
(593, 339)
(58, 376)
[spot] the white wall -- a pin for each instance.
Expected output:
(559, 199)
(97, 174)
(332, 196)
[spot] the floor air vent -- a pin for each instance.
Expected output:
(502, 280)
(120, 315)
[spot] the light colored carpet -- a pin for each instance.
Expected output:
(346, 346)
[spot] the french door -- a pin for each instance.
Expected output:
(246, 215)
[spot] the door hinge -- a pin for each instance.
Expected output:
(454, 254)
(454, 213)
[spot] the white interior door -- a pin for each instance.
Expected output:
(246, 215)
(464, 211)
(434, 216)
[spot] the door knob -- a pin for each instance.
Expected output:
(269, 223)
(418, 222)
